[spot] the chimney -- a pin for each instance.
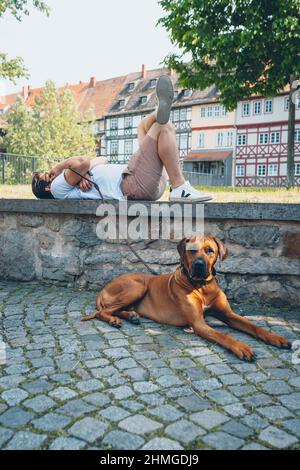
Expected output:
(92, 82)
(171, 72)
(144, 71)
(25, 92)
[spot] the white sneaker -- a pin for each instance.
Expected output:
(186, 193)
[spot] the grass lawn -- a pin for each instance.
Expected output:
(220, 194)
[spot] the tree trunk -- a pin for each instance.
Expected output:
(291, 137)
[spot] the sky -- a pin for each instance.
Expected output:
(85, 38)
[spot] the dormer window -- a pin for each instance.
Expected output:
(152, 83)
(186, 93)
(121, 103)
(130, 86)
(176, 95)
(143, 99)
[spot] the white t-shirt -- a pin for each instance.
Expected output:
(108, 177)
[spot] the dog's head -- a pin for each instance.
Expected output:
(199, 254)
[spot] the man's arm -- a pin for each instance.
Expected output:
(80, 164)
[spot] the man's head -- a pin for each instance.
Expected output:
(41, 186)
(199, 255)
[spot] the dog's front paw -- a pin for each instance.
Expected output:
(243, 352)
(278, 341)
(134, 318)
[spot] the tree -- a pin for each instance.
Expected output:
(49, 129)
(14, 68)
(244, 47)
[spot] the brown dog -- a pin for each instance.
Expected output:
(181, 298)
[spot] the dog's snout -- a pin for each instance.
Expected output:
(199, 268)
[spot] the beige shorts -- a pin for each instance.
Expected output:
(145, 177)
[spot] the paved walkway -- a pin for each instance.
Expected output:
(73, 385)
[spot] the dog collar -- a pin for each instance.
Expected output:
(198, 284)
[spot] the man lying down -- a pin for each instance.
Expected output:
(143, 178)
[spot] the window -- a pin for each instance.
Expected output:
(114, 148)
(201, 142)
(96, 127)
(229, 139)
(143, 99)
(176, 95)
(183, 114)
(268, 106)
(217, 111)
(240, 170)
(286, 103)
(297, 136)
(242, 139)
(152, 83)
(223, 111)
(246, 109)
(186, 92)
(213, 111)
(203, 112)
(122, 103)
(220, 139)
(261, 170)
(114, 123)
(130, 86)
(176, 115)
(264, 138)
(275, 137)
(257, 107)
(297, 169)
(273, 170)
(128, 122)
(128, 146)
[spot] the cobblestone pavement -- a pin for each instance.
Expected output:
(73, 385)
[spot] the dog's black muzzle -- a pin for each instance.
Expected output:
(199, 269)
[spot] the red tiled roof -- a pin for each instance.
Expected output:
(208, 156)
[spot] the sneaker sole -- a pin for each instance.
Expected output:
(165, 96)
(187, 199)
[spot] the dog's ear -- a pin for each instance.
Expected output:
(181, 247)
(223, 252)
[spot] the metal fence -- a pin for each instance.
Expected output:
(204, 179)
(18, 169)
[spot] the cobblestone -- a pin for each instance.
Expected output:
(71, 385)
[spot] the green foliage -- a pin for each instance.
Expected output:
(49, 129)
(244, 47)
(14, 68)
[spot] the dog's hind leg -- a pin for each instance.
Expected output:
(130, 315)
(105, 316)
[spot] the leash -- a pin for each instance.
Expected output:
(133, 250)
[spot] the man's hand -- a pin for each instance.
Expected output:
(84, 185)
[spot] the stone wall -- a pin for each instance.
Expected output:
(56, 242)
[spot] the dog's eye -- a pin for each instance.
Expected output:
(210, 251)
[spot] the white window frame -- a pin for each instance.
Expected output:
(297, 135)
(143, 100)
(259, 168)
(128, 122)
(242, 139)
(220, 139)
(275, 137)
(240, 170)
(269, 106)
(176, 115)
(257, 104)
(152, 83)
(114, 147)
(286, 103)
(229, 139)
(130, 86)
(244, 105)
(201, 140)
(273, 169)
(128, 147)
(263, 138)
(114, 124)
